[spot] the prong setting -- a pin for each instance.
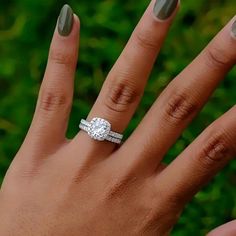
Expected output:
(99, 129)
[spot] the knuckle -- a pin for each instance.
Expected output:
(121, 95)
(156, 217)
(149, 224)
(118, 187)
(216, 150)
(174, 199)
(160, 223)
(53, 100)
(146, 40)
(217, 58)
(180, 107)
(60, 57)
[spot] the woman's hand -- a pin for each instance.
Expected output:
(81, 186)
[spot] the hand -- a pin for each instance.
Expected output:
(81, 186)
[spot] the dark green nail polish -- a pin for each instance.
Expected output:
(164, 8)
(65, 20)
(234, 28)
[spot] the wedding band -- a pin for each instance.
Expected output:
(100, 129)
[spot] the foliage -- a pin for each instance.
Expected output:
(26, 28)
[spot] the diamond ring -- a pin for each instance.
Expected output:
(100, 129)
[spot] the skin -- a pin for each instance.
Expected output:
(57, 186)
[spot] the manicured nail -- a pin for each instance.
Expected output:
(65, 20)
(164, 8)
(233, 30)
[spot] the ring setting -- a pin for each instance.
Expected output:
(100, 129)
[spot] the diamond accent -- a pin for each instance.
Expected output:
(99, 129)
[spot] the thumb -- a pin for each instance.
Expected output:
(228, 229)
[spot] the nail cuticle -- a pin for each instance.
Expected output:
(65, 21)
(163, 9)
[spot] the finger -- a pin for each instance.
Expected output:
(182, 100)
(56, 92)
(228, 229)
(125, 83)
(209, 153)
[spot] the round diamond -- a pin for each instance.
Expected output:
(99, 129)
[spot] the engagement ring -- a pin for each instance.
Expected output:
(100, 129)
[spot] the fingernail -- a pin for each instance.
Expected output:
(233, 30)
(65, 20)
(164, 8)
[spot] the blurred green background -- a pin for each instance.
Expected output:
(26, 28)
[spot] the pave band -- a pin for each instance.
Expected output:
(100, 129)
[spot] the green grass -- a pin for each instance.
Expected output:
(26, 28)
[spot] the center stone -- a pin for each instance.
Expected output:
(99, 129)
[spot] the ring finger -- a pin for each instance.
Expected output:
(125, 83)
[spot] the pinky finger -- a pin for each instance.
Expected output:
(209, 153)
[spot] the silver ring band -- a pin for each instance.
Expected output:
(100, 129)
